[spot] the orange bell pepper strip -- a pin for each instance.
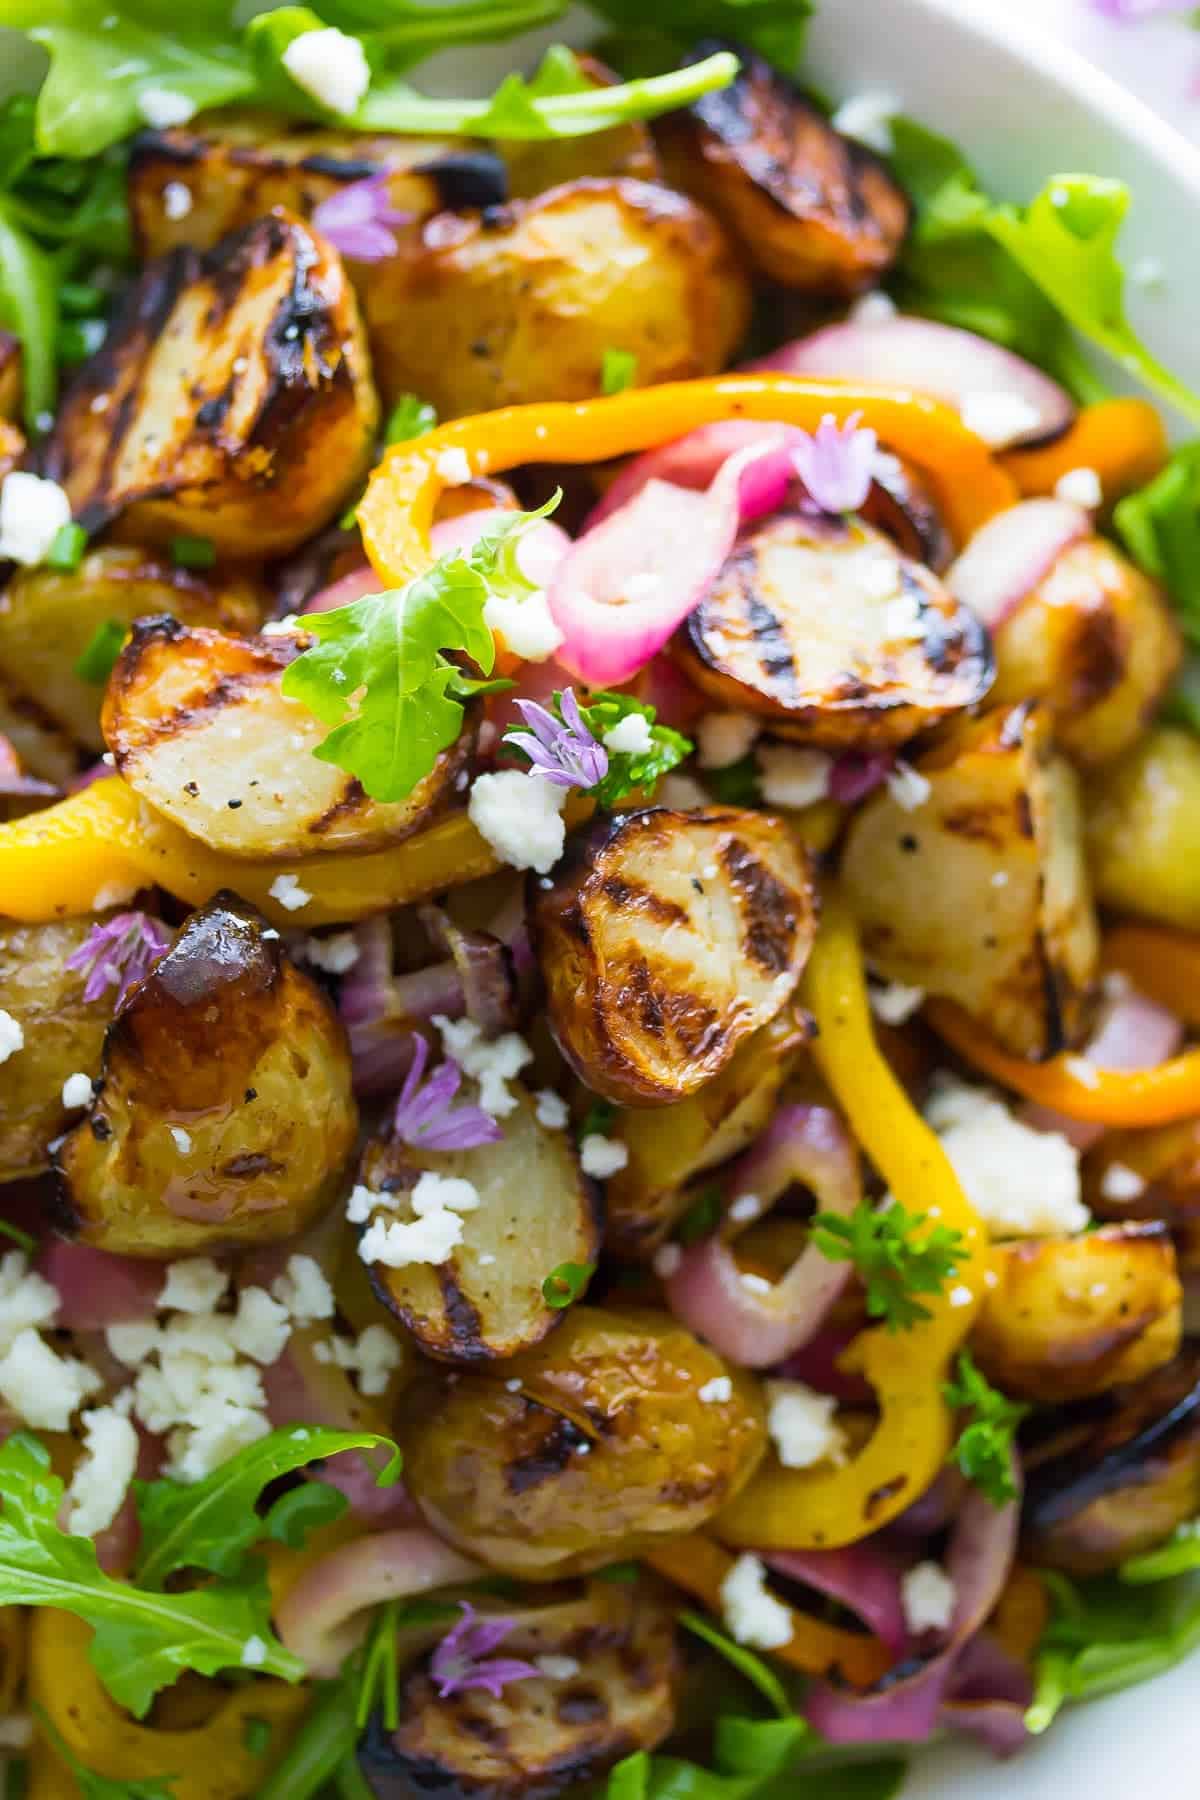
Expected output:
(398, 509)
(1161, 963)
(1067, 1084)
(1123, 440)
(1022, 1613)
(699, 1566)
(821, 1508)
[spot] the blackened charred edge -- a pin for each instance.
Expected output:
(560, 1443)
(184, 148)
(635, 897)
(462, 1339)
(334, 168)
(465, 180)
(351, 798)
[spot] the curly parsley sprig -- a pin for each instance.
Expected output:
(984, 1450)
(898, 1254)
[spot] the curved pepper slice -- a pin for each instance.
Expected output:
(821, 1508)
(1123, 440)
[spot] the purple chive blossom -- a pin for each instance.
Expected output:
(119, 952)
(462, 1661)
(425, 1116)
(358, 220)
(837, 464)
(1140, 9)
(562, 750)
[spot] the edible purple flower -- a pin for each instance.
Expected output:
(563, 750)
(119, 952)
(837, 463)
(358, 219)
(425, 1115)
(1140, 9)
(462, 1658)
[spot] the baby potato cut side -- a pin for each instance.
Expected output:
(64, 1035)
(1143, 829)
(603, 1448)
(826, 630)
(200, 727)
(666, 939)
(535, 1213)
(225, 1115)
(232, 399)
(978, 890)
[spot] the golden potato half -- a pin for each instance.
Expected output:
(64, 1035)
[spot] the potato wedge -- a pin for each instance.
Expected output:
(226, 1115)
(232, 399)
(499, 1471)
(45, 750)
(10, 377)
(667, 938)
(1070, 1317)
(536, 164)
(810, 208)
(1096, 641)
(519, 303)
(49, 617)
(979, 892)
(826, 630)
(1143, 829)
(199, 726)
(64, 1035)
(535, 1212)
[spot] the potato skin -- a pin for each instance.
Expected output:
(810, 208)
(42, 746)
(665, 939)
(793, 630)
(235, 398)
(229, 1043)
(1143, 829)
(980, 894)
(64, 1035)
(500, 1473)
(1069, 1317)
(519, 303)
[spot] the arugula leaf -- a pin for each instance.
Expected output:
(210, 1524)
(1178, 1556)
(91, 1785)
(984, 1448)
(1103, 1637)
(29, 306)
(143, 1641)
(895, 1256)
(758, 1673)
(302, 1510)
(748, 1753)
(630, 769)
(774, 29)
(1160, 528)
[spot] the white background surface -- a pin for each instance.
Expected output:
(1159, 59)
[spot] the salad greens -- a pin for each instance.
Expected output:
(984, 1450)
(775, 29)
(894, 1255)
(756, 1759)
(758, 1673)
(1160, 528)
(1105, 1634)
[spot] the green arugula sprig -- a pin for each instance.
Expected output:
(654, 36)
(984, 1448)
(1160, 528)
(99, 1787)
(898, 1254)
(1104, 1636)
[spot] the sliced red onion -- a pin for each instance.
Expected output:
(1132, 1033)
(862, 1577)
(932, 1511)
(805, 1144)
(484, 967)
(380, 1008)
(1009, 555)
(692, 461)
(97, 1289)
(989, 1694)
(816, 1364)
(540, 551)
(15, 784)
(968, 372)
(345, 591)
(857, 773)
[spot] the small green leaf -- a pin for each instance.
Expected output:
(1160, 527)
(897, 1254)
(1178, 1556)
(193, 553)
(618, 371)
(758, 1673)
(984, 1450)
(623, 1573)
(409, 418)
(598, 1120)
(21, 1238)
(630, 770)
(29, 300)
(738, 783)
(103, 648)
(566, 1284)
(302, 1510)
(381, 1670)
(66, 552)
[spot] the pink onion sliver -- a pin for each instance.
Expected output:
(324, 1617)
(816, 1364)
(692, 461)
(1133, 1033)
(345, 591)
(541, 549)
(97, 1289)
(1009, 555)
(857, 773)
(352, 1475)
(861, 1576)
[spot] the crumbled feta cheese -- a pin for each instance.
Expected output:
(928, 1596)
(715, 1392)
(132, 1344)
(77, 1091)
(304, 1291)
(396, 1244)
(364, 1201)
(177, 200)
(261, 1326)
(873, 309)
(751, 1612)
(335, 955)
(290, 895)
(745, 1208)
(630, 735)
(519, 815)
(793, 777)
(374, 1356)
(330, 66)
(103, 1474)
(683, 792)
(194, 1284)
(486, 1260)
(552, 1110)
(27, 1300)
(602, 1156)
(1082, 487)
(895, 1003)
(254, 1650)
(867, 118)
(908, 788)
(163, 107)
(724, 737)
(435, 1193)
(43, 1387)
(666, 1261)
(493, 1062)
(755, 1284)
(12, 1035)
(802, 1425)
(182, 1139)
(997, 418)
(217, 1428)
(1022, 1182)
(454, 467)
(525, 622)
(1120, 1183)
(32, 513)
(557, 1668)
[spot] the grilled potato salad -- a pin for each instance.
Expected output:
(63, 1033)
(1143, 829)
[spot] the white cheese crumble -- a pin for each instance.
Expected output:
(666, 1261)
(755, 1284)
(16, 1731)
(551, 1109)
(335, 955)
(303, 1290)
(12, 1035)
(1119, 1182)
(492, 1062)
(176, 200)
(373, 1356)
(396, 1244)
(997, 418)
(751, 1612)
(793, 777)
(908, 788)
(194, 1284)
(927, 1594)
(32, 513)
(557, 1668)
(364, 1201)
(42, 1386)
(519, 815)
(895, 1003)
(867, 118)
(715, 1392)
(77, 1091)
(435, 1193)
(454, 467)
(261, 1326)
(182, 1139)
(330, 66)
(164, 107)
(290, 895)
(525, 623)
(724, 737)
(602, 1156)
(254, 1653)
(802, 1425)
(27, 1299)
(683, 792)
(1083, 487)
(1022, 1182)
(873, 309)
(103, 1474)
(630, 735)
(745, 1208)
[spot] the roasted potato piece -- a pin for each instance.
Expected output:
(1149, 1175)
(1123, 1482)
(200, 727)
(520, 303)
(49, 617)
(45, 750)
(667, 938)
(232, 399)
(226, 1115)
(602, 1450)
(979, 892)
(810, 208)
(1143, 829)
(535, 1213)
(1095, 640)
(10, 377)
(825, 629)
(64, 1035)
(535, 164)
(1073, 1316)
(546, 1732)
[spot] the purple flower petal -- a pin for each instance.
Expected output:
(837, 463)
(358, 219)
(1140, 9)
(456, 1663)
(425, 1116)
(561, 750)
(119, 952)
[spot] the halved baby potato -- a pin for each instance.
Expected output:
(43, 747)
(665, 940)
(810, 208)
(200, 727)
(975, 887)
(64, 1035)
(232, 399)
(225, 1115)
(535, 1213)
(828, 631)
(1143, 828)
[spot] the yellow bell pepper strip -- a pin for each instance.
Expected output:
(1161, 963)
(821, 1508)
(398, 509)
(1123, 440)
(699, 1566)
(1067, 1084)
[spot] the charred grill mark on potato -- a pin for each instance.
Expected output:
(650, 1001)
